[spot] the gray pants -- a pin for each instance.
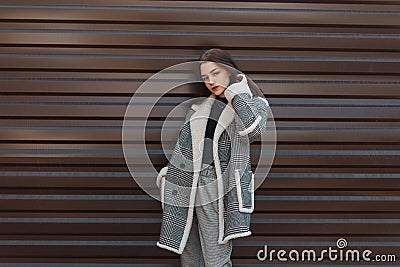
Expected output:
(202, 248)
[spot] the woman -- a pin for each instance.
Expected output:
(207, 188)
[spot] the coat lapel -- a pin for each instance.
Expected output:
(198, 124)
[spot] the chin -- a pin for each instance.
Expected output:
(218, 93)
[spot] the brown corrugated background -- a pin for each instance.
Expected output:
(329, 69)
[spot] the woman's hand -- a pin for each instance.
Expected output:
(239, 78)
(237, 88)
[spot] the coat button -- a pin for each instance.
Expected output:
(182, 165)
(174, 192)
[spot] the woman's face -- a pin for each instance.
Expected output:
(215, 77)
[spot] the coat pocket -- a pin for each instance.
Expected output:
(245, 191)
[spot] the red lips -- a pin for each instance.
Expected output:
(215, 87)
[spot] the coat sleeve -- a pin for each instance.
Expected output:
(252, 111)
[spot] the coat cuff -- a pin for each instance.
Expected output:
(237, 88)
(161, 173)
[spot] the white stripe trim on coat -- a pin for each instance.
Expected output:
(254, 124)
(162, 193)
(239, 193)
(233, 236)
(168, 248)
(161, 173)
(226, 117)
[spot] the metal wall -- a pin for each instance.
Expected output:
(329, 69)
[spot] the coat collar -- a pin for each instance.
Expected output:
(198, 124)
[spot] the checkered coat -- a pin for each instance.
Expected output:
(242, 121)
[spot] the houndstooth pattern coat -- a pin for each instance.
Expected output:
(242, 121)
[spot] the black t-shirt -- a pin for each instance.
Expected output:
(215, 113)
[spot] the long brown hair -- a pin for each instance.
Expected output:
(222, 58)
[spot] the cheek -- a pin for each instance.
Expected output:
(227, 77)
(227, 80)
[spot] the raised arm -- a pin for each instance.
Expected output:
(253, 111)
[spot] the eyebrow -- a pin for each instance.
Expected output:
(210, 71)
